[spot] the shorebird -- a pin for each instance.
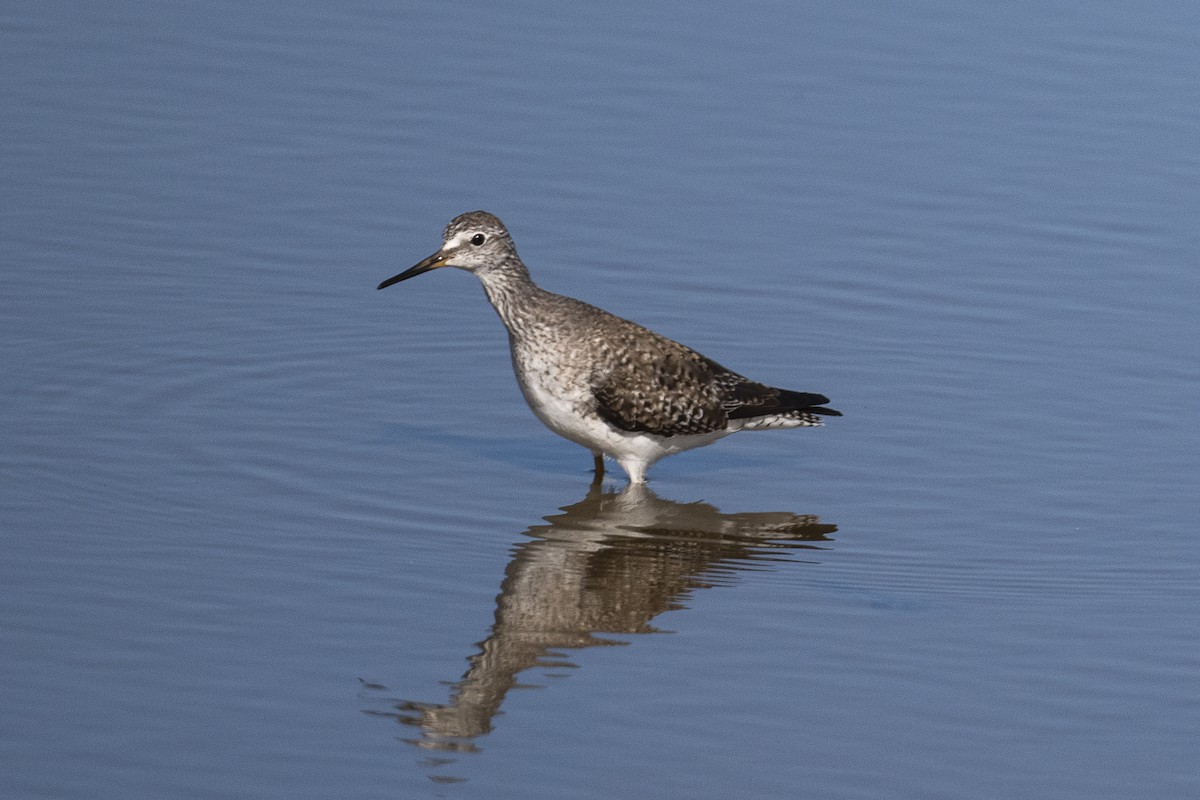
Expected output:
(604, 382)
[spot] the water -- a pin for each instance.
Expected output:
(269, 533)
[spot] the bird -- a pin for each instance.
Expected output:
(604, 382)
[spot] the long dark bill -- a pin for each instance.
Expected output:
(433, 262)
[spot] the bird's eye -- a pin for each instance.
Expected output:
(478, 239)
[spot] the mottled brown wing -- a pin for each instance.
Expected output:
(746, 399)
(655, 385)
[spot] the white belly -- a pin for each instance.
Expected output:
(568, 410)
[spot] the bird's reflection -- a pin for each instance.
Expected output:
(606, 565)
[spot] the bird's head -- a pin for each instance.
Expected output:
(474, 241)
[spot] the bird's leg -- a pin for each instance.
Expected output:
(599, 467)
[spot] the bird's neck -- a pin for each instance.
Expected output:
(511, 292)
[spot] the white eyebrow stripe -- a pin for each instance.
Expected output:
(458, 241)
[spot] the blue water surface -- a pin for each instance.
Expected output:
(267, 532)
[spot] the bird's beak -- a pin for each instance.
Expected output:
(436, 260)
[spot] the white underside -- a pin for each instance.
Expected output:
(571, 418)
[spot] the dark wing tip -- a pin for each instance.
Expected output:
(750, 399)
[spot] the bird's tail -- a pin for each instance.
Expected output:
(806, 402)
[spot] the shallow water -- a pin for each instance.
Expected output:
(269, 532)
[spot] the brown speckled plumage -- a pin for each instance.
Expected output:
(603, 381)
